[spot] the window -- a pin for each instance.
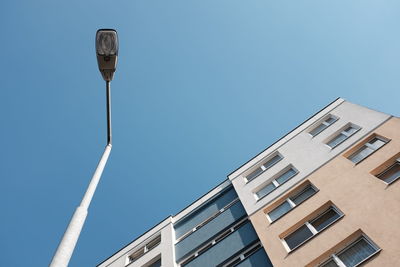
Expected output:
(343, 135)
(155, 264)
(391, 174)
(282, 178)
(353, 255)
(208, 219)
(323, 125)
(215, 240)
(143, 250)
(271, 162)
(242, 255)
(312, 228)
(291, 202)
(367, 149)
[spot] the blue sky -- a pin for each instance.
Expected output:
(201, 87)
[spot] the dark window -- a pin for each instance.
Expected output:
(312, 228)
(391, 174)
(292, 202)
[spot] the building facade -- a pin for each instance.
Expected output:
(213, 231)
(325, 194)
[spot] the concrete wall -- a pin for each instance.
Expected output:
(304, 152)
(368, 204)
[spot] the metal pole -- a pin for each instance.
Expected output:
(66, 247)
(108, 93)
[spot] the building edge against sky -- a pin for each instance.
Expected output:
(252, 218)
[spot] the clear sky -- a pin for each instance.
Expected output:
(201, 87)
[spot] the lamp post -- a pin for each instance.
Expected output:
(107, 53)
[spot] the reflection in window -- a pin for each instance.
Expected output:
(367, 149)
(291, 202)
(391, 174)
(323, 125)
(268, 188)
(354, 254)
(271, 162)
(312, 227)
(343, 135)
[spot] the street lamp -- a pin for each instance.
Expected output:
(107, 53)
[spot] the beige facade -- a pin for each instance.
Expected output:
(366, 205)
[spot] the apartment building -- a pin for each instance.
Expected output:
(325, 195)
(345, 213)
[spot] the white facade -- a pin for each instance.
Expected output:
(303, 151)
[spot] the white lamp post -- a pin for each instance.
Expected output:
(107, 53)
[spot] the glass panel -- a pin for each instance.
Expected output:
(272, 161)
(254, 174)
(303, 195)
(318, 129)
(156, 264)
(331, 120)
(356, 253)
(324, 220)
(286, 176)
(337, 140)
(377, 143)
(266, 190)
(279, 211)
(298, 237)
(323, 126)
(350, 130)
(392, 174)
(330, 263)
(107, 42)
(136, 255)
(361, 154)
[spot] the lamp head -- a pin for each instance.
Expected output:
(107, 52)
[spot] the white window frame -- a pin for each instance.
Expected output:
(291, 203)
(275, 182)
(312, 228)
(369, 145)
(262, 166)
(343, 131)
(324, 122)
(339, 262)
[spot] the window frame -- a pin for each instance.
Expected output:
(143, 250)
(396, 162)
(218, 237)
(263, 168)
(242, 255)
(274, 181)
(292, 204)
(369, 145)
(335, 256)
(323, 122)
(343, 132)
(311, 228)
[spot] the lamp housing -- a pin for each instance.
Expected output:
(107, 52)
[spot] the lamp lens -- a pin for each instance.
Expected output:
(107, 43)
